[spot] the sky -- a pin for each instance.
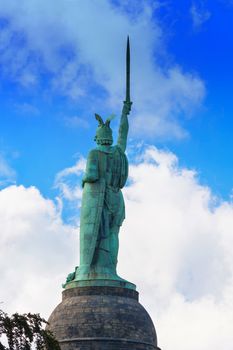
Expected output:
(61, 61)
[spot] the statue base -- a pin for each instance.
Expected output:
(102, 318)
(100, 283)
(101, 277)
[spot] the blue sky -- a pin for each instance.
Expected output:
(208, 50)
(38, 136)
(60, 62)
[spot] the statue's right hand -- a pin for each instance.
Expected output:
(127, 107)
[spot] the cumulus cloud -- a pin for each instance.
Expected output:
(37, 251)
(175, 244)
(199, 15)
(81, 47)
(69, 184)
(68, 181)
(76, 122)
(27, 109)
(7, 173)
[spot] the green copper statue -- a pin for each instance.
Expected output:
(103, 209)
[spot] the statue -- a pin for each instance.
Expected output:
(103, 209)
(99, 309)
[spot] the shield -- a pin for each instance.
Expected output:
(91, 211)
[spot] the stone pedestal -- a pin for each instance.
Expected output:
(102, 318)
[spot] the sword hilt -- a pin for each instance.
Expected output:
(127, 106)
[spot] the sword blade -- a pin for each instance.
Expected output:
(127, 98)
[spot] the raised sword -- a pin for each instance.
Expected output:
(127, 95)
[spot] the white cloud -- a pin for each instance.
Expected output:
(37, 251)
(76, 122)
(82, 46)
(27, 109)
(199, 15)
(7, 173)
(68, 181)
(175, 244)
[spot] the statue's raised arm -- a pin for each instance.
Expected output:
(124, 124)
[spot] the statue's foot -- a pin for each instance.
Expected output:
(96, 276)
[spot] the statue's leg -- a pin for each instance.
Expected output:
(116, 219)
(101, 255)
(114, 245)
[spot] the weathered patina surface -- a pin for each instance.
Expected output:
(103, 208)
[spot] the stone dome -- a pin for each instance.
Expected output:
(99, 318)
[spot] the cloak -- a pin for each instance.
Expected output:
(106, 173)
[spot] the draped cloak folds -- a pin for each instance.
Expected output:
(103, 209)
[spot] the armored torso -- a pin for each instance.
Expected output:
(113, 167)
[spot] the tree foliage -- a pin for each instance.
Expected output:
(26, 332)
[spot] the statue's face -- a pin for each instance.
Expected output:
(104, 135)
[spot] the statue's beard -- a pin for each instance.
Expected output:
(104, 142)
